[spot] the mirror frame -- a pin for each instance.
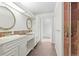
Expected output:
(13, 17)
(29, 19)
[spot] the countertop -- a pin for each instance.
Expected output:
(13, 37)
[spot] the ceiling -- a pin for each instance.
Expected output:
(37, 7)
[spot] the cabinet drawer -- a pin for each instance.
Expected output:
(12, 52)
(7, 50)
(8, 46)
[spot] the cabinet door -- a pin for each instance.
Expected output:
(22, 47)
(12, 52)
(10, 49)
(0, 50)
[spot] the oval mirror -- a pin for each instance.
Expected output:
(29, 23)
(7, 18)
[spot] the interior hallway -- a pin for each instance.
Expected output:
(27, 24)
(43, 48)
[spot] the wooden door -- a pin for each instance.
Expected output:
(75, 28)
(66, 28)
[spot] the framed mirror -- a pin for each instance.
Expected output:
(29, 23)
(7, 18)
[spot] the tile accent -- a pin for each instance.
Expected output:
(21, 32)
(5, 33)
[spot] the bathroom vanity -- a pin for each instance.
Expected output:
(16, 45)
(16, 29)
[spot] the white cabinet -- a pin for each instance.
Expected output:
(9, 48)
(12, 52)
(17, 47)
(22, 47)
(26, 45)
(30, 45)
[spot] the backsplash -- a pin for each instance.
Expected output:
(5, 33)
(22, 32)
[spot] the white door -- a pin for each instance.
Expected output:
(58, 32)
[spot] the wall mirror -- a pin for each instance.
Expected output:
(29, 23)
(7, 18)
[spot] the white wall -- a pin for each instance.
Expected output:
(20, 19)
(46, 24)
(59, 29)
(36, 28)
